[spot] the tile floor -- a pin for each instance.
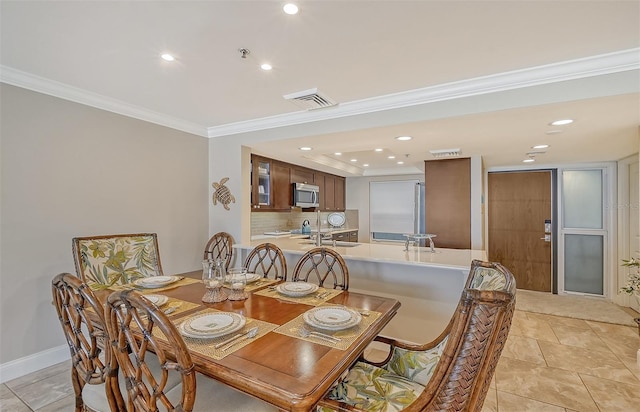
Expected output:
(550, 363)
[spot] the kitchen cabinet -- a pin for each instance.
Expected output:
(282, 194)
(332, 192)
(349, 236)
(339, 193)
(260, 182)
(271, 185)
(448, 202)
(299, 175)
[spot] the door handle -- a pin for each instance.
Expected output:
(546, 238)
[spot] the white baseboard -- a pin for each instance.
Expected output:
(24, 366)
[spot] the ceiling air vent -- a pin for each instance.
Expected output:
(310, 99)
(445, 153)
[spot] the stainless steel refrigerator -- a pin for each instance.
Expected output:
(396, 208)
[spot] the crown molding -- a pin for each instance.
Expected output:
(39, 84)
(599, 65)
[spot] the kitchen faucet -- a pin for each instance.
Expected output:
(319, 236)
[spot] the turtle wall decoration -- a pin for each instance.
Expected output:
(222, 194)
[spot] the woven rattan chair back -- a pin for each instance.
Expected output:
(82, 321)
(268, 260)
(472, 343)
(220, 246)
(477, 334)
(105, 260)
(320, 264)
(140, 331)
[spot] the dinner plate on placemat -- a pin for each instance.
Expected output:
(296, 289)
(212, 325)
(156, 281)
(251, 277)
(332, 317)
(157, 300)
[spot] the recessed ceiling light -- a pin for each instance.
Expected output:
(540, 146)
(338, 153)
(400, 162)
(561, 122)
(354, 160)
(391, 157)
(528, 160)
(266, 66)
(378, 150)
(404, 138)
(554, 131)
(167, 57)
(366, 165)
(290, 8)
(305, 148)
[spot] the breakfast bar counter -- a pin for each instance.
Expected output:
(377, 252)
(428, 284)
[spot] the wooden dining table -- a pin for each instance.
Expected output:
(286, 370)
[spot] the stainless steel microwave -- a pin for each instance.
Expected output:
(306, 195)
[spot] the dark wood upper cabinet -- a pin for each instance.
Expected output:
(271, 185)
(282, 194)
(339, 193)
(299, 175)
(332, 191)
(329, 193)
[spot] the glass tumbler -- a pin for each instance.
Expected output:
(213, 276)
(237, 282)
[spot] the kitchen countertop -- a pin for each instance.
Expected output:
(279, 234)
(377, 252)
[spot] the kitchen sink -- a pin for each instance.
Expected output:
(330, 243)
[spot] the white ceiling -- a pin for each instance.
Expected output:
(357, 53)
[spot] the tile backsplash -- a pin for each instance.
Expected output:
(270, 221)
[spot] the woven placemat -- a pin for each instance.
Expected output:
(347, 336)
(206, 346)
(315, 299)
(179, 305)
(181, 282)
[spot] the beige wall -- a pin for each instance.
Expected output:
(71, 170)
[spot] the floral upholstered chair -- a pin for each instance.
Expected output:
(103, 261)
(451, 373)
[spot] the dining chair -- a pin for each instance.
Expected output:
(139, 329)
(451, 373)
(321, 263)
(267, 258)
(104, 260)
(93, 370)
(220, 246)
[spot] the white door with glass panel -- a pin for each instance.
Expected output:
(583, 231)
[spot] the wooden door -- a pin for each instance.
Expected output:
(518, 205)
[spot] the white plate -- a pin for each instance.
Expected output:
(296, 289)
(156, 281)
(251, 277)
(332, 317)
(157, 300)
(336, 219)
(212, 325)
